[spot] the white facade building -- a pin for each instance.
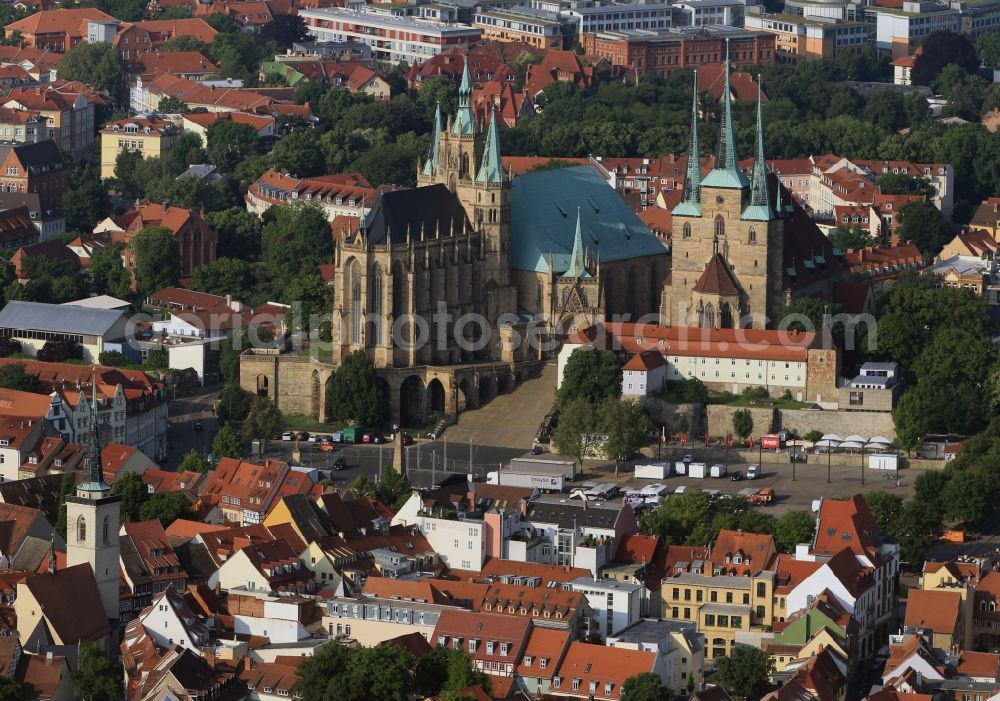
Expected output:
(616, 605)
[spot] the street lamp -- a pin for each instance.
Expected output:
(862, 464)
(829, 453)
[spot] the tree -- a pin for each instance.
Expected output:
(227, 444)
(167, 507)
(902, 184)
(909, 419)
(230, 142)
(854, 237)
(13, 690)
(107, 270)
(233, 405)
(354, 392)
(918, 528)
(9, 346)
(886, 509)
(134, 494)
(67, 487)
(263, 420)
(625, 427)
(745, 672)
(228, 276)
(299, 153)
(98, 65)
(593, 375)
(806, 314)
(185, 42)
(95, 677)
(647, 686)
(575, 426)
(14, 376)
(924, 225)
(939, 49)
(361, 486)
(461, 674)
(157, 358)
(194, 462)
(814, 436)
(794, 527)
(393, 489)
(157, 260)
(968, 495)
(171, 105)
(380, 672)
(239, 233)
(284, 30)
(742, 423)
(988, 48)
(675, 519)
(86, 200)
(57, 350)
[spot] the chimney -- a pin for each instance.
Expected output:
(166, 205)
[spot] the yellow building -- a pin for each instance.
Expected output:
(150, 136)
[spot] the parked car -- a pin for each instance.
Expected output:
(736, 476)
(371, 437)
(536, 450)
(339, 464)
(303, 436)
(198, 428)
(288, 436)
(314, 438)
(688, 459)
(326, 447)
(407, 439)
(753, 471)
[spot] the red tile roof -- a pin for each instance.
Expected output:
(717, 278)
(548, 644)
(933, 609)
(601, 671)
(742, 86)
(846, 523)
(755, 551)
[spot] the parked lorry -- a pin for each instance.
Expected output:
(698, 470)
(540, 466)
(718, 470)
(647, 497)
(506, 478)
(883, 461)
(653, 471)
(353, 434)
(763, 497)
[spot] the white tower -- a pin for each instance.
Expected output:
(92, 521)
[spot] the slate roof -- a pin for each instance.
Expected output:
(58, 318)
(43, 154)
(416, 209)
(543, 220)
(569, 513)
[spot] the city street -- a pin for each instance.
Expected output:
(184, 413)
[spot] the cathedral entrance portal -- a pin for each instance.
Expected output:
(435, 396)
(411, 401)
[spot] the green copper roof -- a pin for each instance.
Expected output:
(93, 475)
(727, 172)
(491, 170)
(543, 225)
(577, 266)
(690, 204)
(464, 122)
(431, 166)
(759, 208)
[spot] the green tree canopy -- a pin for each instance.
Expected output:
(938, 50)
(902, 184)
(157, 358)
(924, 225)
(647, 686)
(742, 423)
(794, 527)
(134, 494)
(239, 233)
(108, 272)
(625, 426)
(263, 420)
(99, 65)
(573, 432)
(229, 276)
(230, 142)
(86, 200)
(167, 507)
(355, 393)
(745, 672)
(95, 677)
(14, 376)
(593, 375)
(193, 462)
(157, 260)
(234, 404)
(227, 444)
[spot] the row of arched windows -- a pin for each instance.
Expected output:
(81, 530)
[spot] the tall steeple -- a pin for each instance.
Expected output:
(93, 475)
(690, 204)
(577, 265)
(464, 122)
(759, 208)
(491, 170)
(431, 165)
(727, 171)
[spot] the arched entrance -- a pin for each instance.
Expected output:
(411, 401)
(261, 385)
(385, 416)
(435, 396)
(505, 383)
(463, 395)
(487, 389)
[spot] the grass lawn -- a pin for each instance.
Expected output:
(302, 422)
(741, 401)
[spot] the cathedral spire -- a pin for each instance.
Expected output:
(577, 266)
(431, 166)
(464, 122)
(727, 171)
(690, 204)
(759, 208)
(93, 475)
(491, 170)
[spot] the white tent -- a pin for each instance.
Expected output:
(826, 443)
(855, 439)
(879, 439)
(832, 437)
(851, 445)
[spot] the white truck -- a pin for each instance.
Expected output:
(681, 468)
(647, 497)
(545, 483)
(538, 466)
(883, 461)
(698, 470)
(653, 471)
(718, 470)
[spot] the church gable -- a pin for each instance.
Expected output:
(717, 279)
(420, 212)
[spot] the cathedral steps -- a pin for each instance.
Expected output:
(510, 420)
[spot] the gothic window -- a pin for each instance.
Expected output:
(398, 293)
(376, 304)
(726, 312)
(631, 292)
(654, 292)
(687, 231)
(708, 317)
(464, 172)
(105, 530)
(720, 227)
(81, 529)
(538, 298)
(753, 235)
(353, 288)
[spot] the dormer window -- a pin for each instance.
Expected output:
(489, 648)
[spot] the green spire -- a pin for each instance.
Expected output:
(727, 171)
(690, 204)
(431, 165)
(491, 170)
(93, 475)
(759, 208)
(577, 266)
(464, 122)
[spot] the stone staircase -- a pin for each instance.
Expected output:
(510, 420)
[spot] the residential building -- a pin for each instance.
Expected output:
(57, 30)
(169, 621)
(22, 126)
(271, 566)
(34, 323)
(902, 69)
(345, 194)
(50, 223)
(353, 76)
(876, 388)
(615, 605)
(582, 674)
(146, 93)
(665, 51)
(392, 37)
(701, 13)
(49, 620)
(152, 137)
(135, 39)
(678, 645)
(34, 169)
(69, 109)
(616, 16)
(192, 65)
(149, 564)
(495, 643)
(973, 242)
(245, 491)
(484, 67)
(821, 678)
(16, 229)
(557, 66)
(584, 535)
(773, 360)
(541, 659)
(200, 122)
(884, 263)
(899, 30)
(943, 616)
(806, 38)
(536, 28)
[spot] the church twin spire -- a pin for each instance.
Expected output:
(690, 204)
(93, 474)
(759, 208)
(727, 171)
(464, 122)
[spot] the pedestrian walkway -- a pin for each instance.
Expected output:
(509, 420)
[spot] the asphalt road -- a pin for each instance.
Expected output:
(182, 438)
